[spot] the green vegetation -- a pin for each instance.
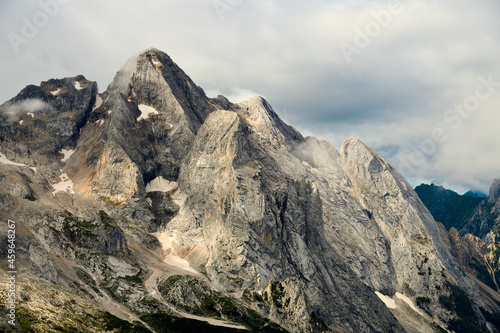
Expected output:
(87, 279)
(482, 273)
(422, 238)
(258, 297)
(52, 309)
(278, 295)
(438, 329)
(492, 318)
(318, 323)
(446, 206)
(459, 304)
(163, 323)
(115, 324)
(26, 321)
(423, 301)
(136, 279)
(194, 296)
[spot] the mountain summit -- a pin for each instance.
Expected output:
(154, 208)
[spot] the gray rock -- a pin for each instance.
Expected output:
(249, 204)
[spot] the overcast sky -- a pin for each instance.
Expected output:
(391, 74)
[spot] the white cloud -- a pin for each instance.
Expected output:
(391, 95)
(30, 106)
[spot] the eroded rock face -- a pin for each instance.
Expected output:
(486, 216)
(494, 195)
(165, 181)
(472, 252)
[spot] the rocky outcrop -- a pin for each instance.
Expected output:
(472, 253)
(486, 215)
(494, 195)
(41, 120)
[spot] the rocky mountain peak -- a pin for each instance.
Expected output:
(494, 195)
(214, 209)
(41, 120)
(259, 114)
(355, 154)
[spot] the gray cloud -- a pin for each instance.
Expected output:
(392, 95)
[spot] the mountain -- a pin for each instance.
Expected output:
(446, 206)
(474, 239)
(154, 208)
(475, 194)
(486, 216)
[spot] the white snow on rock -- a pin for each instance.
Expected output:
(98, 102)
(78, 86)
(155, 62)
(67, 154)
(408, 301)
(146, 110)
(55, 92)
(66, 185)
(6, 161)
(160, 184)
(31, 114)
(21, 122)
(389, 302)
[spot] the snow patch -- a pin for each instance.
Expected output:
(5, 160)
(31, 114)
(389, 302)
(66, 185)
(146, 110)
(160, 184)
(67, 154)
(21, 122)
(78, 86)
(213, 322)
(98, 102)
(155, 62)
(101, 122)
(408, 301)
(55, 92)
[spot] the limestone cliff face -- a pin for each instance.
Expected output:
(173, 204)
(486, 216)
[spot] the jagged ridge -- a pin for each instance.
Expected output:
(288, 226)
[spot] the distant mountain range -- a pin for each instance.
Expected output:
(471, 229)
(473, 212)
(475, 194)
(446, 206)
